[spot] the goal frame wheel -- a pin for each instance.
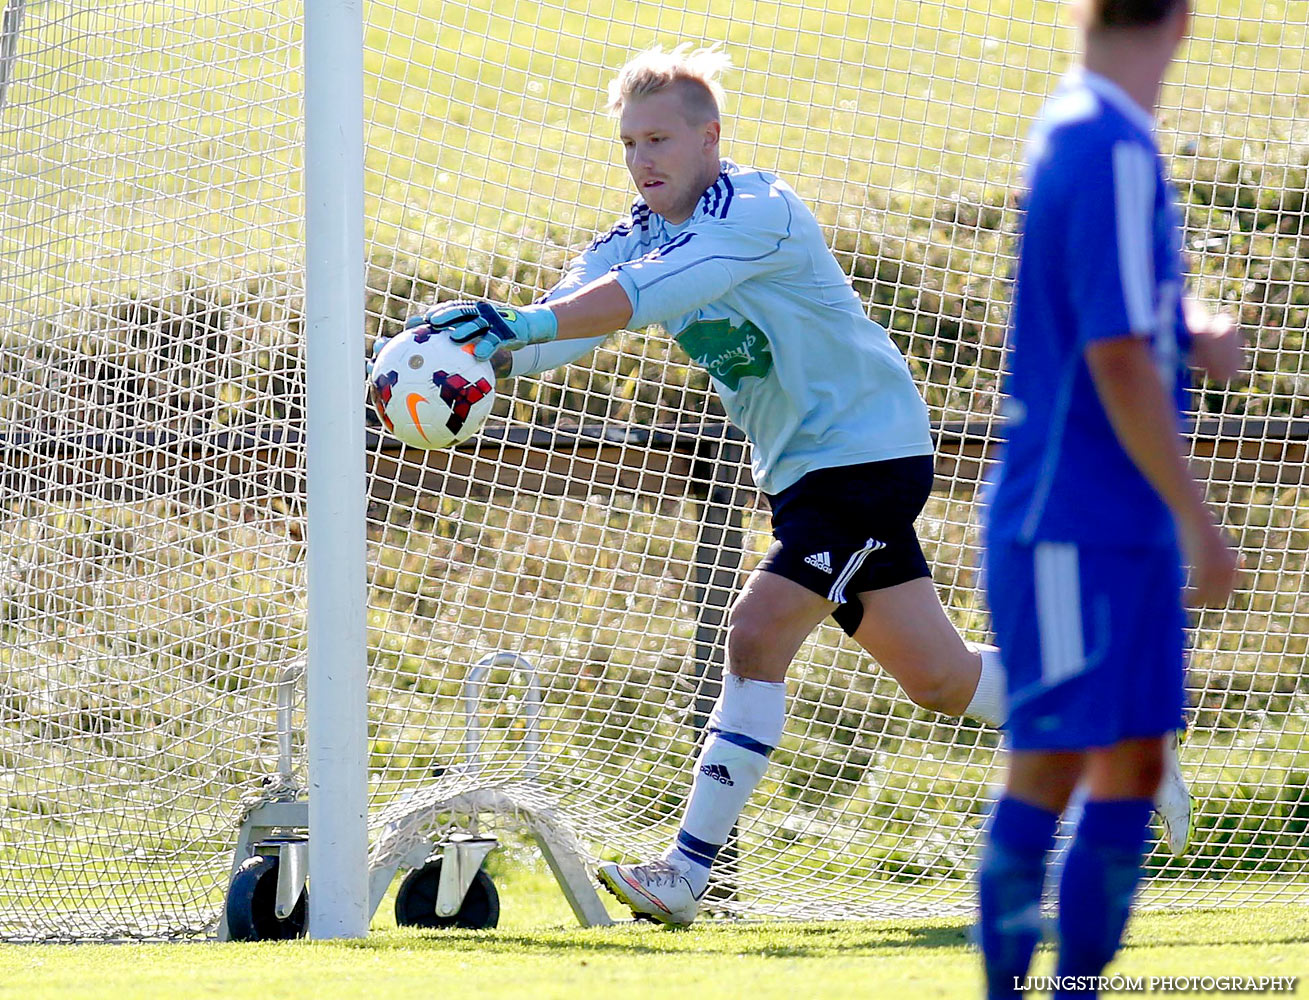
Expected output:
(252, 901)
(415, 902)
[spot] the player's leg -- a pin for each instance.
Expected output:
(884, 593)
(1142, 648)
(1011, 873)
(1100, 873)
(825, 528)
(769, 621)
(1172, 804)
(905, 629)
(1104, 863)
(1036, 620)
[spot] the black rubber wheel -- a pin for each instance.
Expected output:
(252, 904)
(415, 903)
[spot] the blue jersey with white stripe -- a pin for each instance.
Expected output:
(1100, 258)
(750, 290)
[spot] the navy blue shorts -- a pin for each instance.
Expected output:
(843, 531)
(1093, 642)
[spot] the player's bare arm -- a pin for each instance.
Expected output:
(1143, 419)
(599, 308)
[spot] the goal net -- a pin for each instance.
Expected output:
(152, 412)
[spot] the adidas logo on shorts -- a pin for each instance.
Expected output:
(820, 560)
(719, 773)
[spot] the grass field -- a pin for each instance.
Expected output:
(537, 952)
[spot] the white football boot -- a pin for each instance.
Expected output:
(656, 890)
(1173, 801)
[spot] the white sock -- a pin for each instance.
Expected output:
(745, 726)
(990, 703)
(756, 709)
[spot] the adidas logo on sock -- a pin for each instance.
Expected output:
(719, 773)
(820, 560)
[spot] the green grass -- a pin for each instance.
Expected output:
(537, 951)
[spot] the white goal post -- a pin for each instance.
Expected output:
(337, 696)
(541, 613)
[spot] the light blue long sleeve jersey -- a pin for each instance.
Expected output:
(749, 289)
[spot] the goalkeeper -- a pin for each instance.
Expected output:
(732, 264)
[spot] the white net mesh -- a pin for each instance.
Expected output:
(151, 408)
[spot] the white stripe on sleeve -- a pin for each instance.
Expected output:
(1134, 190)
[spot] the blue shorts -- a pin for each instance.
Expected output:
(1093, 642)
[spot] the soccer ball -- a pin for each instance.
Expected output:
(429, 392)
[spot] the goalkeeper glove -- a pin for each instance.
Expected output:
(487, 327)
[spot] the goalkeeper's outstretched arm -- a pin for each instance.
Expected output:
(585, 318)
(698, 266)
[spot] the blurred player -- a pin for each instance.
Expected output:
(1094, 511)
(736, 268)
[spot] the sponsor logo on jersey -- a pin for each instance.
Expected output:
(718, 772)
(820, 560)
(728, 353)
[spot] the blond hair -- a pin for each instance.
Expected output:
(694, 71)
